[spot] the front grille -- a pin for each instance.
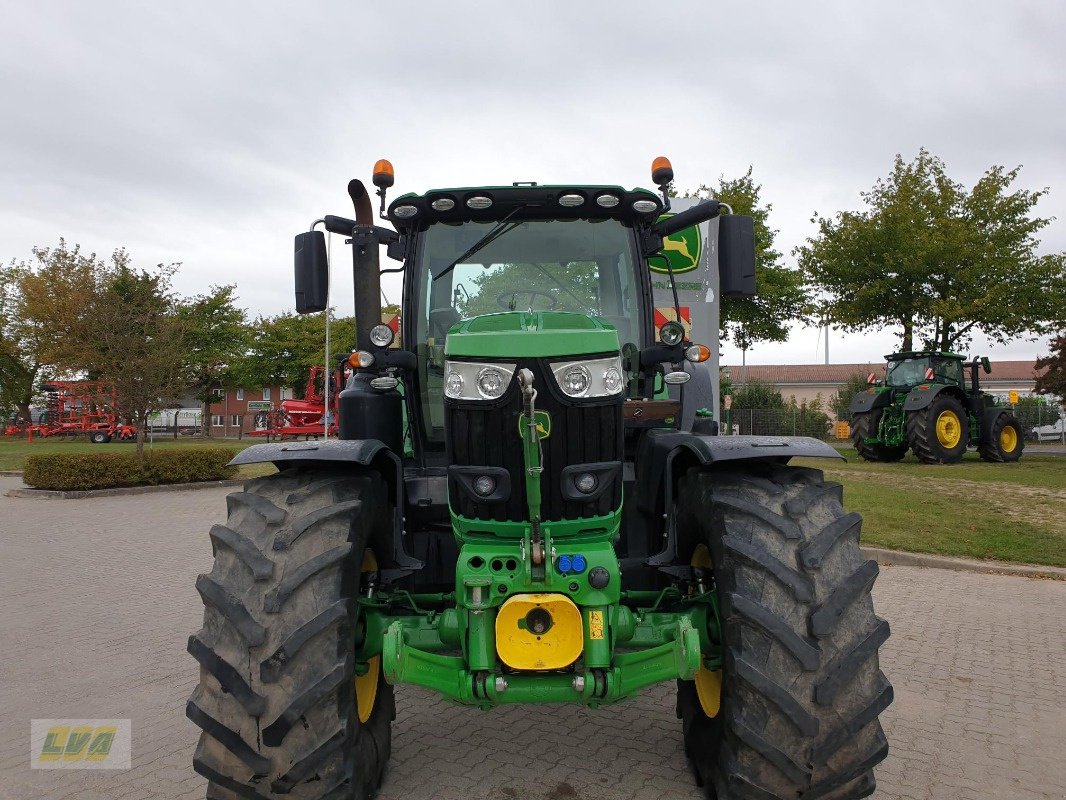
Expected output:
(486, 434)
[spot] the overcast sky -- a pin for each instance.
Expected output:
(210, 133)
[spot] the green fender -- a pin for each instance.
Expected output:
(920, 397)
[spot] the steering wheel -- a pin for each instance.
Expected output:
(505, 299)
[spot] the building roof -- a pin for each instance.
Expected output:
(833, 374)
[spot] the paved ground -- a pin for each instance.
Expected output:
(97, 599)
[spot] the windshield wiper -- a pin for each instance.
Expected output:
(498, 230)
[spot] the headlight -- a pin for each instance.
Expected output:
(598, 377)
(472, 380)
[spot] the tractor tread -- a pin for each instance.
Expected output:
(825, 617)
(851, 727)
(257, 503)
(275, 732)
(305, 492)
(783, 525)
(303, 768)
(227, 676)
(232, 608)
(218, 780)
(857, 769)
(843, 669)
(276, 598)
(814, 552)
(740, 607)
(805, 723)
(779, 759)
(288, 536)
(799, 585)
(274, 667)
(814, 494)
(245, 549)
(230, 739)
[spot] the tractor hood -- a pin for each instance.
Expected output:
(525, 334)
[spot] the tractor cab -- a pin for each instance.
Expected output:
(907, 370)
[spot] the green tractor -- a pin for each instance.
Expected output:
(514, 512)
(924, 405)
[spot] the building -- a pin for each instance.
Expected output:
(808, 381)
(234, 411)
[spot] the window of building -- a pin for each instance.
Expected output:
(236, 420)
(286, 393)
(266, 393)
(216, 420)
(240, 394)
(218, 392)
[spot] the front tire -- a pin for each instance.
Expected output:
(99, 437)
(801, 687)
(866, 424)
(278, 699)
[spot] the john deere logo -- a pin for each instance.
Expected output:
(544, 424)
(682, 251)
(80, 744)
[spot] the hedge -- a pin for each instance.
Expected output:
(80, 471)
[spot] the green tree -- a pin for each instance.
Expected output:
(43, 304)
(217, 335)
(937, 260)
(1054, 380)
(757, 394)
(782, 294)
(134, 337)
(282, 349)
(841, 402)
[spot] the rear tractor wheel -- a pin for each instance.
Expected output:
(285, 709)
(1005, 442)
(865, 425)
(794, 710)
(939, 433)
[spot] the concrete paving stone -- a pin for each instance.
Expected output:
(99, 600)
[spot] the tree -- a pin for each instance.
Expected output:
(757, 394)
(134, 338)
(938, 260)
(841, 402)
(283, 348)
(782, 296)
(217, 338)
(43, 303)
(1054, 380)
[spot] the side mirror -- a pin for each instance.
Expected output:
(986, 365)
(311, 266)
(736, 256)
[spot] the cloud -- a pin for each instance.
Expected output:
(210, 134)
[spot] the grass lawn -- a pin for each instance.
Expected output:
(13, 451)
(1008, 512)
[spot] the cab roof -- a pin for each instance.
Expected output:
(923, 354)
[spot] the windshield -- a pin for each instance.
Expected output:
(543, 265)
(912, 371)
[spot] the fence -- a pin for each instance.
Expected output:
(779, 422)
(1040, 422)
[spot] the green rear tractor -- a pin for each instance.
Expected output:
(925, 405)
(514, 513)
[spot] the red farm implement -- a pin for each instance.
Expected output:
(78, 408)
(304, 417)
